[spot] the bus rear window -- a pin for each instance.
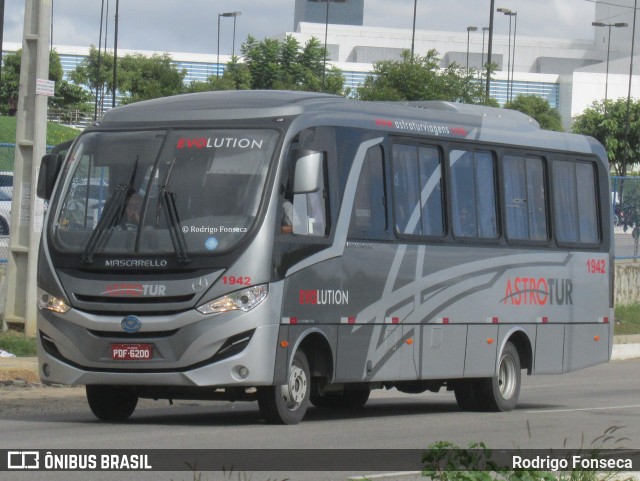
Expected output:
(574, 198)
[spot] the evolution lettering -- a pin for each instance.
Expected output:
(532, 291)
(219, 142)
(324, 296)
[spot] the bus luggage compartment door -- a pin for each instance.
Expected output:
(585, 345)
(482, 341)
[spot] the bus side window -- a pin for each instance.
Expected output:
(369, 212)
(575, 202)
(473, 194)
(417, 180)
(525, 198)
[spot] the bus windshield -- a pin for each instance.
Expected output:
(183, 192)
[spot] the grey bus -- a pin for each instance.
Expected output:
(303, 249)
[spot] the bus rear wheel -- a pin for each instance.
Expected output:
(501, 392)
(287, 404)
(111, 403)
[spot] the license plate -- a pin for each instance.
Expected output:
(131, 352)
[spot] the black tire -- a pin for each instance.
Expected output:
(324, 400)
(111, 403)
(466, 394)
(355, 397)
(501, 392)
(287, 404)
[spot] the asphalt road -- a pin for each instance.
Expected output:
(571, 410)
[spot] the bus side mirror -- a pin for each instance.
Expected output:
(49, 170)
(308, 174)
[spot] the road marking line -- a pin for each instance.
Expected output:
(384, 475)
(584, 409)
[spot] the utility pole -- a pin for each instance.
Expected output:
(31, 131)
(1, 32)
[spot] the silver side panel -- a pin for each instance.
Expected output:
(416, 312)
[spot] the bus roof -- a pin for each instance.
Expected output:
(429, 118)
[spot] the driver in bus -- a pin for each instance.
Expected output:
(132, 212)
(286, 225)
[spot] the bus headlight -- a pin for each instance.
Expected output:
(243, 300)
(51, 303)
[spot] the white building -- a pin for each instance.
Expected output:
(570, 74)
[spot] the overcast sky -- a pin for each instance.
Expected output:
(191, 26)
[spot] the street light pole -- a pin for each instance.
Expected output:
(484, 30)
(99, 84)
(489, 48)
(218, 45)
(626, 128)
(469, 30)
(233, 46)
(506, 11)
(413, 34)
(326, 33)
(513, 52)
(226, 14)
(1, 33)
(115, 57)
(606, 79)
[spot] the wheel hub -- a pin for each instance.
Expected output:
(295, 391)
(507, 377)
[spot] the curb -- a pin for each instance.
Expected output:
(623, 352)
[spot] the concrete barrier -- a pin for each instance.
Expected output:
(627, 284)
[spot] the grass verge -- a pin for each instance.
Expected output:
(55, 135)
(18, 344)
(627, 320)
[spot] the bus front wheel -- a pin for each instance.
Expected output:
(111, 403)
(287, 404)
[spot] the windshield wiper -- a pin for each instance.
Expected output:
(110, 215)
(168, 200)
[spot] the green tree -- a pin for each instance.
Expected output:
(144, 78)
(10, 81)
(286, 65)
(539, 109)
(236, 76)
(610, 130)
(66, 95)
(90, 76)
(420, 78)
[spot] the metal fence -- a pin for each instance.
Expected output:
(625, 199)
(7, 153)
(625, 196)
